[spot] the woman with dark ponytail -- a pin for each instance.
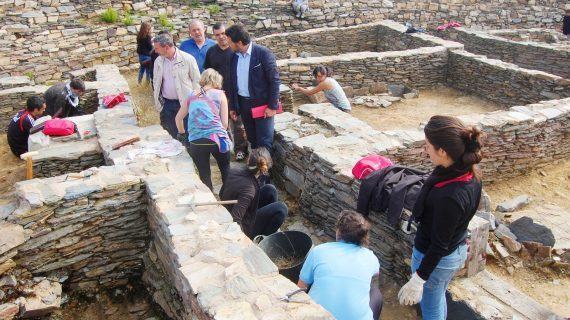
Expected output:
(258, 210)
(329, 86)
(447, 202)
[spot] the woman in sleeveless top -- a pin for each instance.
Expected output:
(207, 126)
(329, 86)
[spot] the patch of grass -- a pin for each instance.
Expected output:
(30, 75)
(110, 16)
(128, 19)
(214, 8)
(163, 20)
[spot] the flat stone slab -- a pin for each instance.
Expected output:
(11, 236)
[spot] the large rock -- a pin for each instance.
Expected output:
(11, 236)
(47, 298)
(514, 204)
(526, 230)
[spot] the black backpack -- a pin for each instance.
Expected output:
(390, 190)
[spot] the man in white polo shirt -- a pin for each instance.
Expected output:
(176, 74)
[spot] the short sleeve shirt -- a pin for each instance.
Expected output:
(340, 274)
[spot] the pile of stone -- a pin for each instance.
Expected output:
(523, 242)
(375, 101)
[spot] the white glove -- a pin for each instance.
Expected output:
(411, 292)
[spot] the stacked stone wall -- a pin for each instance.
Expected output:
(550, 36)
(502, 82)
(13, 100)
(420, 68)
(94, 230)
(314, 157)
(531, 55)
(46, 40)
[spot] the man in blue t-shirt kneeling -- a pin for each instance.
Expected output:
(340, 274)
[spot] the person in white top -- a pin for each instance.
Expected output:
(329, 86)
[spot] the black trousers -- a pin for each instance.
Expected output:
(270, 212)
(259, 131)
(200, 151)
(168, 117)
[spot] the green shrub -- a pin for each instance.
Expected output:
(30, 75)
(214, 8)
(128, 20)
(163, 20)
(110, 15)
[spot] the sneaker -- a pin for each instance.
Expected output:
(240, 155)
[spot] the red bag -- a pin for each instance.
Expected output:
(369, 164)
(112, 100)
(259, 112)
(59, 127)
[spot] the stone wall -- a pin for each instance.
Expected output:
(104, 226)
(94, 229)
(379, 36)
(45, 41)
(551, 36)
(419, 68)
(315, 152)
(503, 82)
(550, 58)
(14, 99)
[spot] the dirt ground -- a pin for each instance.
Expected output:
(409, 113)
(119, 304)
(547, 186)
(12, 168)
(143, 100)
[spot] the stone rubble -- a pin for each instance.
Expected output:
(514, 204)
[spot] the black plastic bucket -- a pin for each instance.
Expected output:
(288, 250)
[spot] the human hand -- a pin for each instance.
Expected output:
(411, 293)
(295, 86)
(182, 137)
(270, 112)
(233, 115)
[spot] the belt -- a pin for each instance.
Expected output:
(244, 98)
(165, 99)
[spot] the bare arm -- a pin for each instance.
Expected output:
(320, 87)
(224, 111)
(182, 113)
(302, 284)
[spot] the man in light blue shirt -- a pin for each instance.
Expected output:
(198, 45)
(340, 273)
(243, 71)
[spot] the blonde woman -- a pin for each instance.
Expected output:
(207, 110)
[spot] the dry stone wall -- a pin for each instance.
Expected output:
(105, 225)
(314, 157)
(503, 82)
(47, 39)
(423, 67)
(550, 58)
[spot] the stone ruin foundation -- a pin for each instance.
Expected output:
(101, 218)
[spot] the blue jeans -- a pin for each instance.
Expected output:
(433, 304)
(144, 68)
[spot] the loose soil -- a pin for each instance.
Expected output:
(548, 186)
(12, 168)
(142, 100)
(410, 113)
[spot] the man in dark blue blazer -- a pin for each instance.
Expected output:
(253, 82)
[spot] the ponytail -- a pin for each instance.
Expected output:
(260, 161)
(462, 143)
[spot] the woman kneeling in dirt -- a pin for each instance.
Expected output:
(446, 203)
(341, 273)
(258, 210)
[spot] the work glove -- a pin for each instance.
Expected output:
(411, 292)
(182, 137)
